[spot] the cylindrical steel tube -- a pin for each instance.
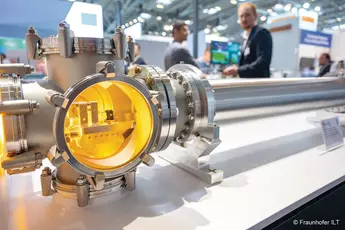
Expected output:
(46, 182)
(28, 159)
(83, 191)
(19, 69)
(18, 107)
(241, 99)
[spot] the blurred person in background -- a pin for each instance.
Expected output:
(40, 67)
(177, 52)
(204, 62)
(340, 65)
(3, 59)
(256, 52)
(138, 60)
(14, 60)
(325, 64)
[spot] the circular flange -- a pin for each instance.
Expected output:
(60, 115)
(199, 96)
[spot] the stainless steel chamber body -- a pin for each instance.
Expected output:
(96, 124)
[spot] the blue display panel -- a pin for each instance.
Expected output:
(234, 52)
(219, 53)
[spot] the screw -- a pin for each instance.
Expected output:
(137, 69)
(189, 93)
(184, 135)
(185, 84)
(191, 117)
(187, 126)
(81, 180)
(46, 171)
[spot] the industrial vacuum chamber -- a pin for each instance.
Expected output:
(96, 125)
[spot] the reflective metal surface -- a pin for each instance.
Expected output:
(251, 96)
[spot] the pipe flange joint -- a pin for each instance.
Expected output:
(184, 82)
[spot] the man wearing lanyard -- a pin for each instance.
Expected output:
(256, 52)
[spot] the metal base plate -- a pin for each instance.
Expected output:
(180, 157)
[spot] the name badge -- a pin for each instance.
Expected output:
(247, 51)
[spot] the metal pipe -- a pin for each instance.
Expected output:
(118, 15)
(195, 27)
(246, 99)
(27, 159)
(18, 107)
(19, 69)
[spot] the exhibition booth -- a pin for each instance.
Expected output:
(92, 147)
(297, 44)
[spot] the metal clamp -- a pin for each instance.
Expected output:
(56, 157)
(56, 99)
(98, 181)
(33, 43)
(106, 67)
(65, 40)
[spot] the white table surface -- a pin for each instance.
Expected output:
(269, 171)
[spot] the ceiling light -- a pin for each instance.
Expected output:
(126, 24)
(145, 15)
(222, 27)
(207, 30)
(166, 27)
(306, 5)
(233, 2)
(164, 33)
(188, 22)
(294, 10)
(335, 27)
(135, 20)
(130, 23)
(214, 30)
(278, 6)
(212, 11)
(317, 8)
(164, 2)
(269, 10)
(217, 8)
(205, 11)
(339, 19)
(159, 18)
(123, 26)
(156, 33)
(263, 18)
(71, 0)
(160, 6)
(342, 26)
(287, 7)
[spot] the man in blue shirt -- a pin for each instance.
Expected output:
(176, 52)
